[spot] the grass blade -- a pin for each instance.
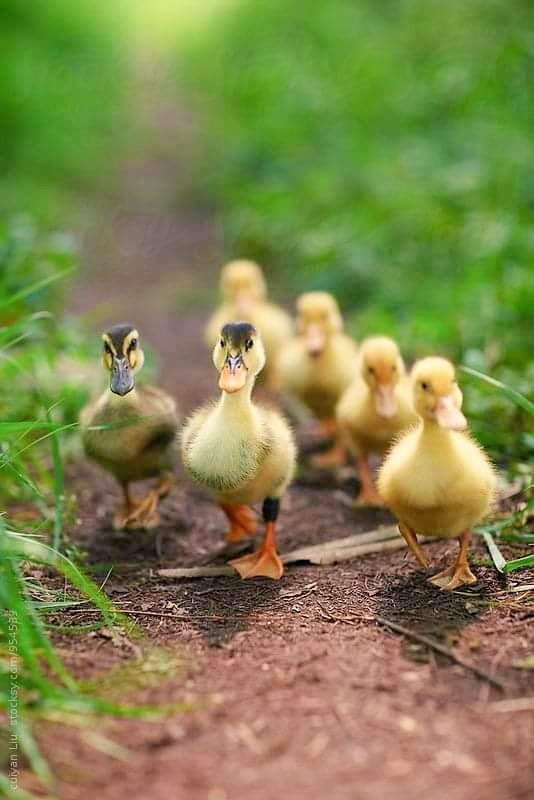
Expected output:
(496, 555)
(518, 563)
(512, 394)
(10, 300)
(59, 487)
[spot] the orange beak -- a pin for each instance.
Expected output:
(384, 400)
(315, 340)
(243, 303)
(449, 416)
(233, 374)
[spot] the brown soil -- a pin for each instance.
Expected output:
(291, 688)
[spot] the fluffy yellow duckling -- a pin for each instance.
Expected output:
(436, 479)
(319, 363)
(241, 452)
(244, 296)
(375, 408)
(143, 443)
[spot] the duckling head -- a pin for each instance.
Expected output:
(238, 356)
(243, 285)
(437, 397)
(122, 357)
(382, 367)
(318, 318)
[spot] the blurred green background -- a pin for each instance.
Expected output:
(381, 151)
(384, 151)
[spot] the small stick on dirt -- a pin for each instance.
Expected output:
(381, 540)
(440, 648)
(516, 704)
(347, 620)
(198, 572)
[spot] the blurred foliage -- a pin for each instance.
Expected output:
(60, 102)
(383, 151)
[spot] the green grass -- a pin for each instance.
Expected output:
(40, 398)
(61, 103)
(382, 151)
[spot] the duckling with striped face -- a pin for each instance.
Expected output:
(131, 430)
(241, 452)
(244, 295)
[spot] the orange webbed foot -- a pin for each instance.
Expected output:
(368, 498)
(263, 563)
(453, 577)
(145, 515)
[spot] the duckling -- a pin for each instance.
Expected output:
(375, 408)
(242, 452)
(436, 479)
(318, 364)
(244, 296)
(143, 443)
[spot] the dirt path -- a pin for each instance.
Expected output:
(295, 690)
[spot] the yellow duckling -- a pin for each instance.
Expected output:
(137, 439)
(244, 296)
(436, 479)
(241, 452)
(375, 408)
(319, 363)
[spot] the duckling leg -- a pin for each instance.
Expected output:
(121, 517)
(459, 574)
(368, 495)
(242, 523)
(411, 540)
(335, 456)
(145, 514)
(266, 560)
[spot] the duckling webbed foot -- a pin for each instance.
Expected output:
(459, 574)
(411, 540)
(120, 517)
(368, 498)
(265, 561)
(145, 515)
(453, 577)
(242, 523)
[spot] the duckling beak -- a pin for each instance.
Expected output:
(315, 340)
(233, 374)
(122, 380)
(448, 415)
(384, 400)
(243, 303)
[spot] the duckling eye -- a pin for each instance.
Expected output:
(248, 344)
(371, 370)
(107, 349)
(221, 342)
(133, 344)
(424, 385)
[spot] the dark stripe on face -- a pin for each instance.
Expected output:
(117, 334)
(237, 333)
